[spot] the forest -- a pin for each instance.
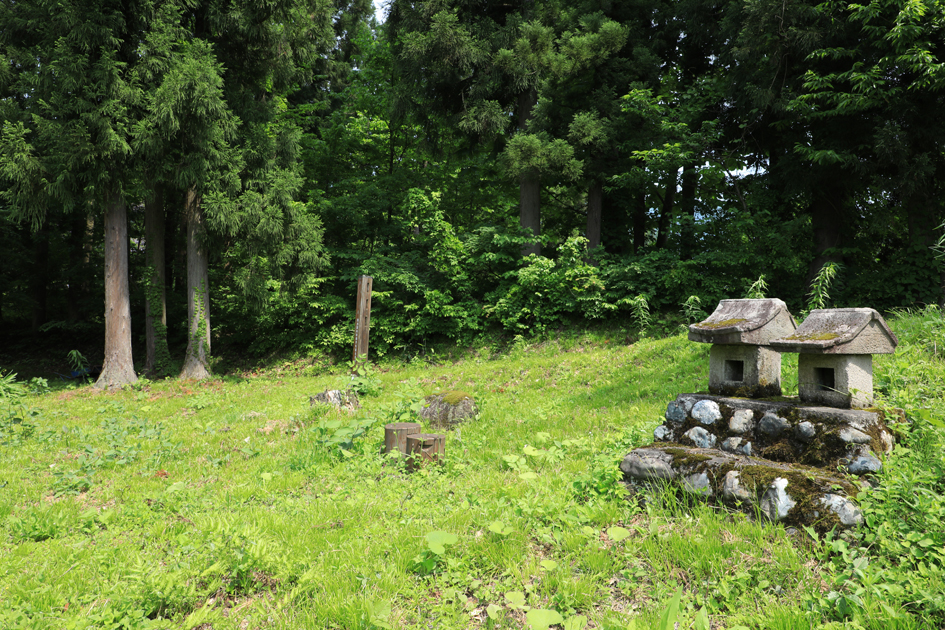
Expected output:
(218, 173)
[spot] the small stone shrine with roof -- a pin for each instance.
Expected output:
(740, 361)
(836, 346)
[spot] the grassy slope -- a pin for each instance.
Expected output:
(214, 505)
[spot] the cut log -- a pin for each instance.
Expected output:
(425, 448)
(395, 436)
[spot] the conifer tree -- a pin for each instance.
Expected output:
(71, 105)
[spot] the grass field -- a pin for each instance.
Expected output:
(234, 504)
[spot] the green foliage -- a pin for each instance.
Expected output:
(363, 380)
(757, 289)
(820, 287)
(547, 292)
(431, 559)
(692, 309)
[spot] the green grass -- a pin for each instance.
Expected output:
(233, 504)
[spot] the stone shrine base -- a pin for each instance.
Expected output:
(777, 457)
(790, 493)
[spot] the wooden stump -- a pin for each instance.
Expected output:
(395, 436)
(423, 448)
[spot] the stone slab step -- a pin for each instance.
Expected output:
(781, 492)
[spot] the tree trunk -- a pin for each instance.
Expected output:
(595, 205)
(666, 211)
(639, 222)
(77, 265)
(155, 307)
(39, 282)
(826, 211)
(118, 368)
(197, 359)
(687, 230)
(529, 182)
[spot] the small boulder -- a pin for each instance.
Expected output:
(736, 445)
(805, 431)
(698, 483)
(663, 434)
(676, 412)
(732, 490)
(865, 464)
(341, 400)
(700, 437)
(742, 421)
(773, 426)
(706, 412)
(853, 436)
(647, 465)
(448, 409)
(845, 509)
(776, 502)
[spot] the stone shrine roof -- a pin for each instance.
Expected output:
(840, 331)
(745, 322)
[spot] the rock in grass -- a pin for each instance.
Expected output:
(341, 400)
(776, 502)
(448, 409)
(645, 464)
(733, 490)
(845, 510)
(698, 483)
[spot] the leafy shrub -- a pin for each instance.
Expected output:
(545, 292)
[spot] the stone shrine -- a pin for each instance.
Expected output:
(745, 445)
(836, 349)
(740, 362)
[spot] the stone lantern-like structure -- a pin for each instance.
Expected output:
(740, 361)
(836, 347)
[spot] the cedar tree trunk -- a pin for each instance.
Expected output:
(155, 307)
(529, 182)
(118, 368)
(688, 212)
(666, 211)
(39, 282)
(197, 359)
(595, 204)
(827, 221)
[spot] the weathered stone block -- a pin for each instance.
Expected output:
(746, 371)
(836, 380)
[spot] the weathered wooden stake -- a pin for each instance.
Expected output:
(395, 436)
(423, 448)
(362, 317)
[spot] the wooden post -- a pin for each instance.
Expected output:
(362, 317)
(395, 436)
(423, 448)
